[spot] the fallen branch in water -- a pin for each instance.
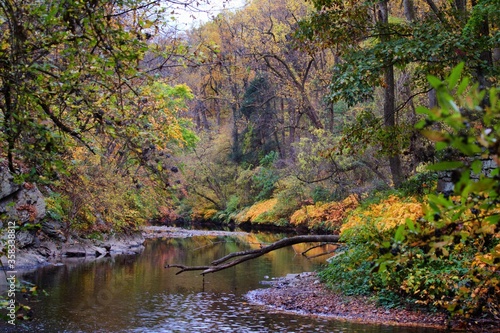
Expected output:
(242, 256)
(315, 247)
(335, 248)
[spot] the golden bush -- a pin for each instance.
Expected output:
(325, 215)
(260, 212)
(387, 214)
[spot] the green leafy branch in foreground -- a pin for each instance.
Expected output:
(450, 258)
(459, 235)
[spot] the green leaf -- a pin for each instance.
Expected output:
(494, 96)
(441, 145)
(476, 166)
(435, 82)
(423, 110)
(455, 75)
(444, 166)
(462, 86)
(399, 236)
(494, 219)
(410, 224)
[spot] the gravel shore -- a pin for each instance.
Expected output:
(305, 294)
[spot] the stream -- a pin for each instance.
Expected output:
(137, 294)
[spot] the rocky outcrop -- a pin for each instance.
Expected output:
(37, 248)
(20, 203)
(41, 240)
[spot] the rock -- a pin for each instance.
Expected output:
(74, 251)
(100, 251)
(123, 244)
(84, 249)
(25, 205)
(27, 260)
(47, 249)
(53, 229)
(7, 185)
(25, 238)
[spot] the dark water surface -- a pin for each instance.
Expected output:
(137, 294)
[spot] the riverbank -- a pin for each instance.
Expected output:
(48, 246)
(304, 294)
(36, 249)
(176, 232)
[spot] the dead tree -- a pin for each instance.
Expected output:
(236, 258)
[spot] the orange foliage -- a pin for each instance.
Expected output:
(329, 215)
(167, 214)
(261, 212)
(386, 214)
(203, 214)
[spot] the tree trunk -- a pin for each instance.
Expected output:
(409, 10)
(236, 139)
(389, 95)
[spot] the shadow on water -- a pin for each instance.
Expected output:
(137, 294)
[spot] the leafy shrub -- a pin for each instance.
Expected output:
(350, 271)
(420, 184)
(322, 194)
(261, 212)
(449, 258)
(264, 180)
(327, 216)
(387, 214)
(227, 214)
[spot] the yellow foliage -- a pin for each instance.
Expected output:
(258, 210)
(209, 213)
(203, 212)
(386, 214)
(328, 215)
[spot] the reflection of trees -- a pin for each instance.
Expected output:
(123, 282)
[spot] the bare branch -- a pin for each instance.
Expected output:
(315, 247)
(242, 256)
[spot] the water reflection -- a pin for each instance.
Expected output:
(136, 294)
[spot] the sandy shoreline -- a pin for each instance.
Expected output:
(304, 294)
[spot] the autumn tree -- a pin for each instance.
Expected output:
(72, 76)
(373, 40)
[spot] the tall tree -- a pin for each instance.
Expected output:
(71, 71)
(372, 41)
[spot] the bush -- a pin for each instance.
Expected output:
(261, 212)
(420, 184)
(324, 216)
(449, 257)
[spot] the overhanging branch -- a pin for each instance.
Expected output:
(242, 256)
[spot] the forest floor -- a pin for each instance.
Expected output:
(305, 294)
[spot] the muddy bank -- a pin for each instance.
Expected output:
(305, 294)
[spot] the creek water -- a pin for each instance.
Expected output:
(137, 294)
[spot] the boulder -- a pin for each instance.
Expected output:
(48, 249)
(123, 244)
(29, 259)
(75, 251)
(83, 250)
(7, 185)
(27, 204)
(54, 230)
(25, 238)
